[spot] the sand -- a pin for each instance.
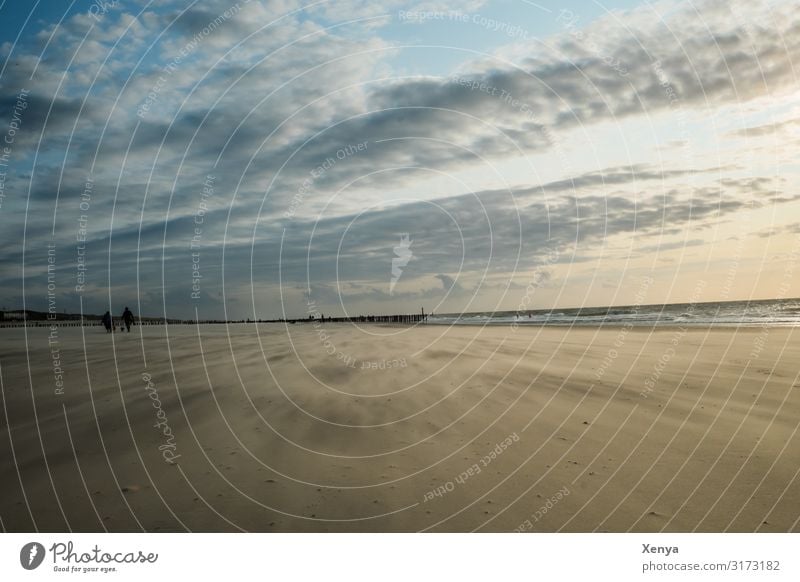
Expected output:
(380, 428)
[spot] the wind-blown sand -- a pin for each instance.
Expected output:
(535, 429)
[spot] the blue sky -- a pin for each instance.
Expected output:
(20, 18)
(535, 20)
(250, 158)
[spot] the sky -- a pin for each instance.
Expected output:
(264, 159)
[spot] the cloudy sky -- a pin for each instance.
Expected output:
(241, 158)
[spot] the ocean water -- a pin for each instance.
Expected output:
(770, 312)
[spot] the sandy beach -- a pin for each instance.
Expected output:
(334, 427)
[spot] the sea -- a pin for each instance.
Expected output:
(768, 312)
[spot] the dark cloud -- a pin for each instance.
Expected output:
(766, 129)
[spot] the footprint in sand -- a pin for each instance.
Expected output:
(655, 514)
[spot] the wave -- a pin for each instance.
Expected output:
(776, 312)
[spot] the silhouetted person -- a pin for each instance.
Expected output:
(127, 319)
(107, 321)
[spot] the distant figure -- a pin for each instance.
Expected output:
(107, 321)
(127, 319)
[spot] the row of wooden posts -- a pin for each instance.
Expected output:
(401, 318)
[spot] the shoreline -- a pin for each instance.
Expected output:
(613, 325)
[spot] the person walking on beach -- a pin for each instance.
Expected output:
(127, 319)
(107, 321)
